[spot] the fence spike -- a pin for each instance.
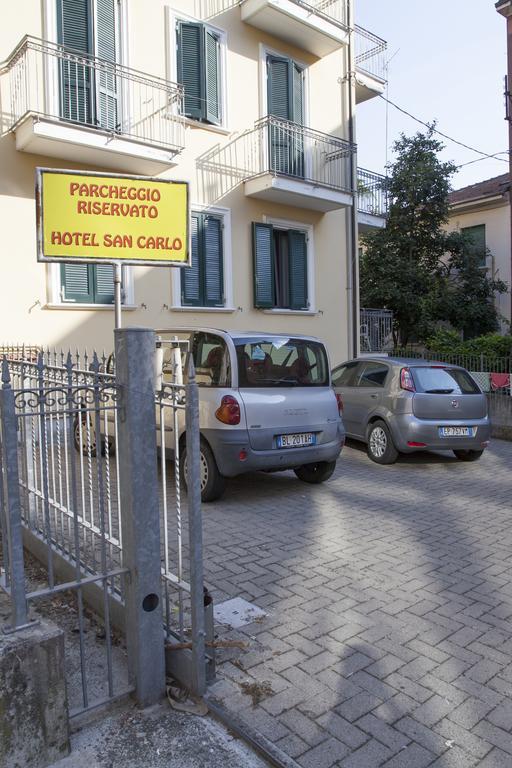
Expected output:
(95, 365)
(6, 376)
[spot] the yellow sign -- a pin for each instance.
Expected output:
(97, 217)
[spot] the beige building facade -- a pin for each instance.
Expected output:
(250, 102)
(482, 211)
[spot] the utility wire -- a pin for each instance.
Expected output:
(444, 135)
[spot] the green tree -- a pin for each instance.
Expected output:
(413, 266)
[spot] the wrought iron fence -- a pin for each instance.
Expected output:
(72, 475)
(370, 53)
(52, 82)
(68, 490)
(371, 193)
(376, 330)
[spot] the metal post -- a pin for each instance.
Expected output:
(140, 518)
(12, 509)
(118, 274)
(195, 532)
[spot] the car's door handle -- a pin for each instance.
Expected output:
(374, 396)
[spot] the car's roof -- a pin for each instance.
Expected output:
(237, 335)
(409, 362)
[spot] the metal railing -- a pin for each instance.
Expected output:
(371, 193)
(376, 330)
(79, 488)
(281, 148)
(48, 81)
(370, 53)
(332, 10)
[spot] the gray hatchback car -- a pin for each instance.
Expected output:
(401, 406)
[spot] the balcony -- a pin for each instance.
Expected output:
(372, 204)
(317, 26)
(90, 111)
(370, 58)
(290, 164)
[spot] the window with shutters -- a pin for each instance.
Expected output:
(199, 70)
(476, 241)
(281, 267)
(202, 284)
(87, 283)
(89, 94)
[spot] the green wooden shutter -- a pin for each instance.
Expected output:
(75, 32)
(298, 94)
(298, 256)
(279, 103)
(76, 283)
(103, 275)
(212, 74)
(190, 276)
(106, 49)
(263, 256)
(213, 262)
(191, 67)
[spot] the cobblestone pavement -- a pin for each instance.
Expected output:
(388, 637)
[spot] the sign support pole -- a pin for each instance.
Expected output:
(117, 293)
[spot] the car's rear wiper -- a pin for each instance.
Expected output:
(438, 391)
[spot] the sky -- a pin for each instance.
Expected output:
(446, 61)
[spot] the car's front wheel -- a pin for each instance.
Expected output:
(213, 484)
(468, 455)
(381, 448)
(315, 473)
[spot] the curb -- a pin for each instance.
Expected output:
(265, 748)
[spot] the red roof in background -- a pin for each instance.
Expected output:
(488, 188)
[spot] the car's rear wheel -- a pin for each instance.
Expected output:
(468, 455)
(84, 438)
(213, 484)
(317, 472)
(380, 447)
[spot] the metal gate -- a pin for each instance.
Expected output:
(79, 489)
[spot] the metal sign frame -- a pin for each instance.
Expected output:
(106, 259)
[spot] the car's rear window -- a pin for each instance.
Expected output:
(444, 381)
(281, 362)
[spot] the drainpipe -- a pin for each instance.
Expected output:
(505, 8)
(353, 272)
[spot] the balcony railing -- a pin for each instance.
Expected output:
(332, 10)
(370, 53)
(48, 81)
(371, 193)
(283, 148)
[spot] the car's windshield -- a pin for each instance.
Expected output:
(444, 381)
(281, 362)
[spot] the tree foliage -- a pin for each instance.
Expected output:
(415, 268)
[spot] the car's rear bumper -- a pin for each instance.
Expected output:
(234, 455)
(408, 429)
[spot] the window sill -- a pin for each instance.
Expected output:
(93, 307)
(191, 123)
(179, 308)
(290, 312)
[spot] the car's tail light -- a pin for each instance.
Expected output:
(339, 400)
(406, 380)
(229, 410)
(415, 444)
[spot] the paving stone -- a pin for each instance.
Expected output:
(329, 753)
(371, 755)
(344, 731)
(421, 734)
(455, 758)
(463, 738)
(303, 726)
(292, 746)
(496, 759)
(358, 705)
(383, 732)
(497, 736)
(410, 757)
(470, 712)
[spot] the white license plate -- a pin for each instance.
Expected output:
(456, 431)
(296, 441)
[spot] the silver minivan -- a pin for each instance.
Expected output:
(265, 403)
(401, 406)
